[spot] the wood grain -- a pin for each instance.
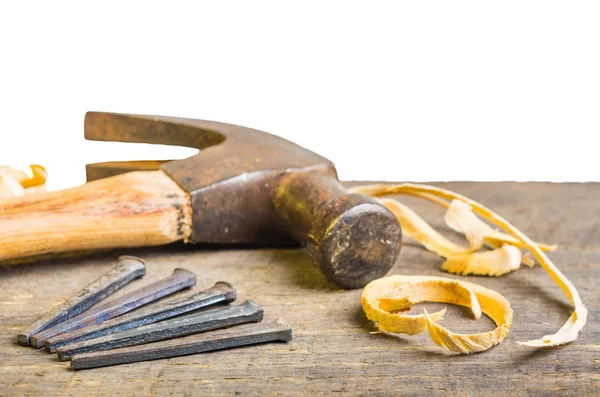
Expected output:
(129, 210)
(332, 352)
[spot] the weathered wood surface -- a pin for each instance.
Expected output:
(333, 352)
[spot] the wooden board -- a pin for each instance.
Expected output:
(333, 352)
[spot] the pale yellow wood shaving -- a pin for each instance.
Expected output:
(396, 303)
(39, 176)
(382, 299)
(528, 259)
(20, 176)
(570, 330)
(460, 260)
(10, 187)
(437, 289)
(15, 183)
(488, 263)
(417, 228)
(461, 219)
(495, 239)
(465, 344)
(399, 323)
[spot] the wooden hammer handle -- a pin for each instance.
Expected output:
(129, 210)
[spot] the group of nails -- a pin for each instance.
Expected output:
(121, 331)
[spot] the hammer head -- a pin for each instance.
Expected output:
(237, 194)
(229, 182)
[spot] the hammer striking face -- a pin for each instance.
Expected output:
(244, 186)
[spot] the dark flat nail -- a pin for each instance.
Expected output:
(178, 280)
(247, 312)
(129, 269)
(158, 311)
(243, 335)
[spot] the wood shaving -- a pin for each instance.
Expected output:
(15, 183)
(20, 176)
(496, 239)
(570, 330)
(460, 218)
(415, 227)
(10, 187)
(39, 176)
(488, 263)
(460, 260)
(414, 289)
(528, 259)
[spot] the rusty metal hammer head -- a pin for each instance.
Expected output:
(248, 186)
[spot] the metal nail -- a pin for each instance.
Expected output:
(243, 335)
(247, 312)
(128, 269)
(158, 311)
(180, 279)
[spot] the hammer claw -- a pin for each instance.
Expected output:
(114, 127)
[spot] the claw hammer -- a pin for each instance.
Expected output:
(244, 186)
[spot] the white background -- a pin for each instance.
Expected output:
(447, 90)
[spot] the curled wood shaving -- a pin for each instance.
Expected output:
(495, 239)
(377, 295)
(460, 218)
(10, 187)
(528, 259)
(415, 227)
(39, 176)
(460, 260)
(570, 330)
(488, 263)
(20, 176)
(410, 324)
(15, 183)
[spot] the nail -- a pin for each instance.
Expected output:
(247, 312)
(243, 335)
(178, 280)
(128, 269)
(158, 311)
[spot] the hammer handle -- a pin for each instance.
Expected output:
(129, 210)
